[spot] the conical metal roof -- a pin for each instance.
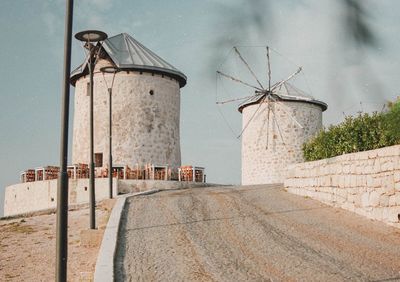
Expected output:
(129, 54)
(285, 92)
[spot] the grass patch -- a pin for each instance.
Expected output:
(17, 227)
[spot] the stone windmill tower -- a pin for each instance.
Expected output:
(145, 106)
(276, 121)
(274, 131)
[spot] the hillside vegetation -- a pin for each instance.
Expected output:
(355, 134)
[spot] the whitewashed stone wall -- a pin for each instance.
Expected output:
(41, 195)
(145, 127)
(264, 164)
(367, 183)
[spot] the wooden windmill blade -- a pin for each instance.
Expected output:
(248, 67)
(269, 70)
(252, 117)
(238, 80)
(286, 111)
(259, 90)
(278, 127)
(262, 96)
(268, 97)
(237, 99)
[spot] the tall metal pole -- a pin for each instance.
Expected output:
(92, 196)
(89, 36)
(62, 189)
(110, 176)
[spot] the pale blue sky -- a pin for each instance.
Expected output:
(194, 36)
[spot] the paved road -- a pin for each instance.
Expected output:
(252, 233)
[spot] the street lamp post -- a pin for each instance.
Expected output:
(62, 187)
(111, 70)
(90, 36)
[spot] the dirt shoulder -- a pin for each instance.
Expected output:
(27, 246)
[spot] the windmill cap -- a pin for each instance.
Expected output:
(285, 92)
(128, 54)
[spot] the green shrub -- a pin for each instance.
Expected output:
(355, 134)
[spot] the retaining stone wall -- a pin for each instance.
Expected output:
(367, 183)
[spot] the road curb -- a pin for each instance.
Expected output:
(104, 270)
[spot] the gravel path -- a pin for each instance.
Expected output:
(250, 234)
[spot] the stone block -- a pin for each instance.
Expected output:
(339, 200)
(353, 181)
(361, 181)
(341, 181)
(342, 193)
(351, 198)
(396, 176)
(369, 181)
(288, 182)
(372, 154)
(388, 185)
(326, 197)
(327, 181)
(353, 191)
(377, 166)
(291, 190)
(353, 168)
(377, 213)
(91, 237)
(365, 202)
(347, 180)
(374, 199)
(335, 181)
(377, 182)
(391, 214)
(392, 200)
(362, 211)
(291, 172)
(348, 206)
(369, 167)
(397, 198)
(384, 152)
(384, 200)
(396, 162)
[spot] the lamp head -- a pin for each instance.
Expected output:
(91, 36)
(109, 69)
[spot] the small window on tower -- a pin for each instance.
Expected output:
(98, 159)
(88, 89)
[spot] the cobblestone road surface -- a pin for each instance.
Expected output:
(250, 233)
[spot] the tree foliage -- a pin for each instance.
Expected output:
(361, 133)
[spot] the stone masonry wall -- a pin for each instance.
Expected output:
(264, 163)
(367, 183)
